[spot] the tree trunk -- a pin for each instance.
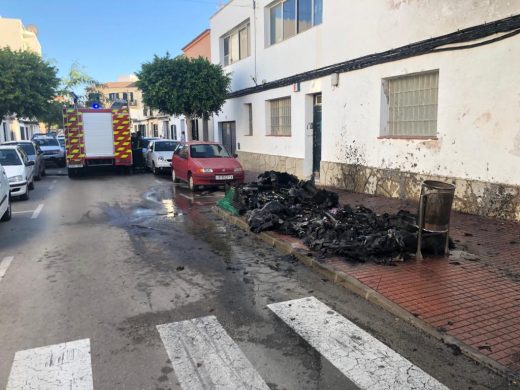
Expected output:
(188, 127)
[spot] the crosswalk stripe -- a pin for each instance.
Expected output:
(366, 361)
(205, 357)
(4, 264)
(59, 366)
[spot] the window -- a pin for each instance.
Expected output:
(290, 17)
(125, 96)
(173, 129)
(249, 113)
(236, 44)
(280, 110)
(411, 105)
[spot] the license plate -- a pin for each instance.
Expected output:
(224, 177)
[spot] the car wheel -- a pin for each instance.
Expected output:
(174, 176)
(7, 215)
(26, 195)
(30, 186)
(155, 171)
(62, 163)
(191, 184)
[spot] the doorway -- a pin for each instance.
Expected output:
(316, 136)
(228, 136)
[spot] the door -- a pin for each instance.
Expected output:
(149, 154)
(180, 162)
(98, 134)
(228, 136)
(316, 136)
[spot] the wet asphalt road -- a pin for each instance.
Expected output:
(110, 257)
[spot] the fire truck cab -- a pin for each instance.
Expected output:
(97, 137)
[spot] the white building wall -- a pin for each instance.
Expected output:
(478, 129)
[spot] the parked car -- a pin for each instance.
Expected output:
(19, 170)
(205, 164)
(144, 145)
(159, 155)
(34, 153)
(5, 201)
(52, 151)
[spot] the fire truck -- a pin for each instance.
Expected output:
(97, 137)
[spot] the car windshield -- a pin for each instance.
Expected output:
(28, 148)
(145, 142)
(47, 141)
(9, 157)
(61, 141)
(165, 146)
(208, 151)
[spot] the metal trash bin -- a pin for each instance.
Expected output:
(434, 211)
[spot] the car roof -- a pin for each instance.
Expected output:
(18, 142)
(13, 147)
(165, 140)
(202, 143)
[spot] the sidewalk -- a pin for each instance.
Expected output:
(472, 298)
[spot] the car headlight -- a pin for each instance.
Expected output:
(206, 170)
(160, 158)
(15, 179)
(239, 170)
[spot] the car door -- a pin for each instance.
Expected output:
(4, 190)
(149, 154)
(29, 169)
(180, 163)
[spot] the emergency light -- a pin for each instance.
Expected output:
(95, 106)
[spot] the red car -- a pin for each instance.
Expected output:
(205, 164)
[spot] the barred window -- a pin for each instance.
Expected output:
(412, 104)
(280, 116)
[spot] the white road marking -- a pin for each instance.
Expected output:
(37, 211)
(205, 357)
(23, 212)
(361, 357)
(158, 181)
(53, 184)
(59, 366)
(4, 264)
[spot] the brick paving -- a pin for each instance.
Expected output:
(475, 299)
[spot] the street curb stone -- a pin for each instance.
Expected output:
(350, 283)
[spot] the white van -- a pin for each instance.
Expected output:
(5, 201)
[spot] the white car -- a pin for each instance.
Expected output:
(159, 155)
(5, 201)
(19, 170)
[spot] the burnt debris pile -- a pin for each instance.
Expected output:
(280, 202)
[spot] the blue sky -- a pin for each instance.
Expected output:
(111, 37)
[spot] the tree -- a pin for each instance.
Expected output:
(53, 115)
(77, 78)
(27, 84)
(192, 87)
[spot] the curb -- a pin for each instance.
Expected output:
(352, 284)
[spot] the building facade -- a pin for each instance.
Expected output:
(377, 96)
(14, 35)
(149, 122)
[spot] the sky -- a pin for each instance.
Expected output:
(111, 38)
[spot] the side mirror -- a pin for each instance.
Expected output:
(29, 163)
(235, 155)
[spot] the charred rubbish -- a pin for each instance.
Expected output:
(281, 202)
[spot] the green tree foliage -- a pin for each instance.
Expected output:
(53, 115)
(76, 79)
(183, 86)
(27, 84)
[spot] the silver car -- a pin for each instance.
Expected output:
(52, 150)
(34, 153)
